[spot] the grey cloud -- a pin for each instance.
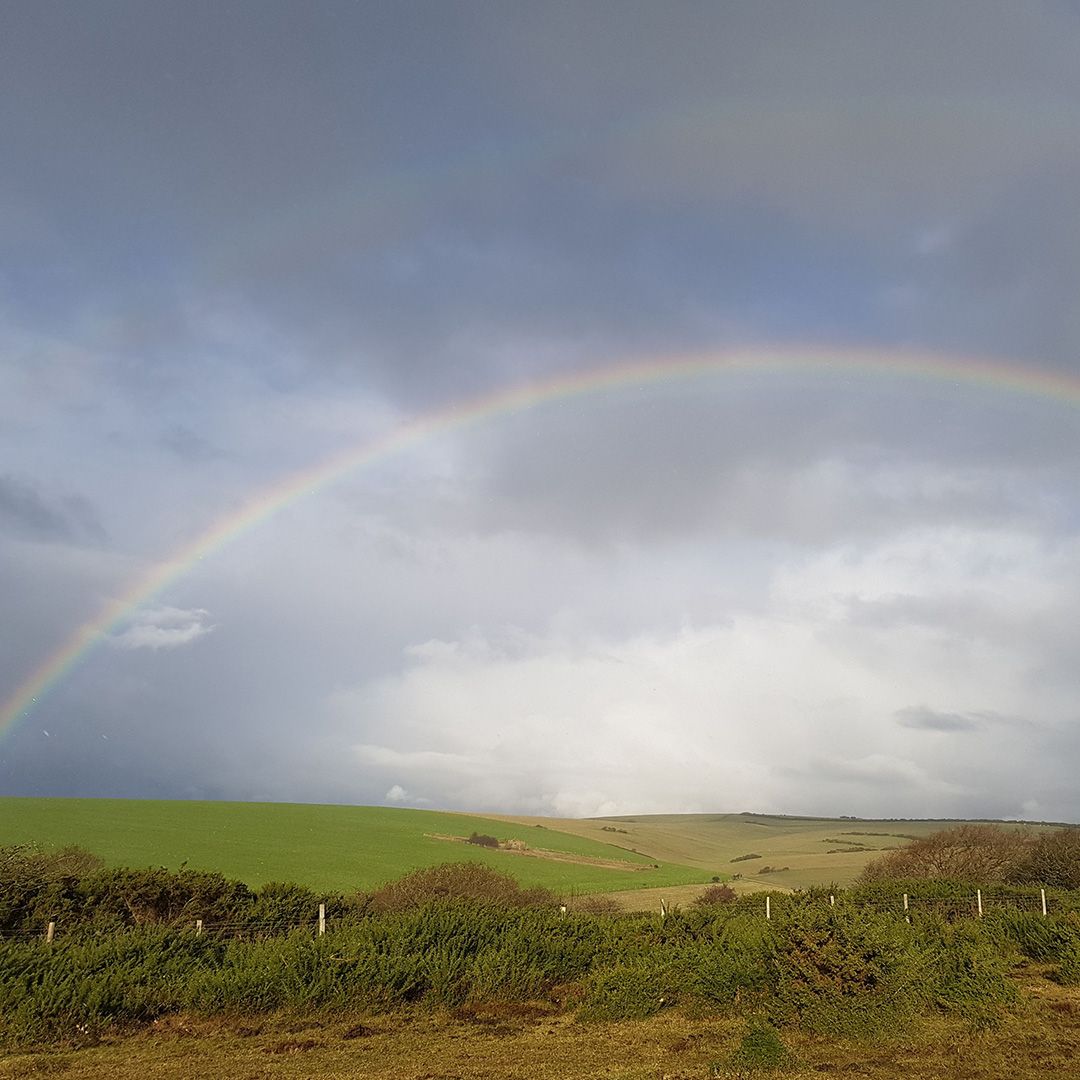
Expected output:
(25, 512)
(921, 718)
(802, 462)
(662, 187)
(190, 445)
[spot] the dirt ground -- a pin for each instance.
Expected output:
(521, 1042)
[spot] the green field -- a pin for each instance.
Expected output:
(356, 847)
(341, 848)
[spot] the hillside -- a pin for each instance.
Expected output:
(326, 847)
(795, 851)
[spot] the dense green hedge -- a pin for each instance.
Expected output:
(830, 970)
(462, 934)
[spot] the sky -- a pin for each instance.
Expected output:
(242, 240)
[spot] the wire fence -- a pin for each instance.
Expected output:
(978, 904)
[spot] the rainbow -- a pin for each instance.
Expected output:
(934, 369)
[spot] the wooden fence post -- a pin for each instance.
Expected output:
(322, 919)
(978, 901)
(1042, 894)
(768, 907)
(907, 917)
(198, 927)
(663, 910)
(50, 931)
(832, 900)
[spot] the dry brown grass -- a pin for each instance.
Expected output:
(530, 1042)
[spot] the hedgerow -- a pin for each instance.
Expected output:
(457, 937)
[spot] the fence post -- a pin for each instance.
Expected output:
(322, 919)
(907, 917)
(50, 931)
(832, 900)
(663, 909)
(1042, 894)
(198, 927)
(768, 907)
(978, 901)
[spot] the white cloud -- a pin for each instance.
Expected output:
(163, 628)
(792, 707)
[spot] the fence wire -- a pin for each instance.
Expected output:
(951, 908)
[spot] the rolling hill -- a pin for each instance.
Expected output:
(326, 847)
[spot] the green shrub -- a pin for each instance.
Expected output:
(629, 991)
(967, 967)
(1037, 936)
(845, 973)
(1067, 972)
(760, 1050)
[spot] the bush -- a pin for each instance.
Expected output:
(630, 991)
(760, 1051)
(967, 967)
(144, 897)
(466, 880)
(483, 840)
(1038, 937)
(714, 895)
(840, 973)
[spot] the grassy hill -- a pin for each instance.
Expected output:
(326, 847)
(795, 851)
(351, 847)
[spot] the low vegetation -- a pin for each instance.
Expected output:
(465, 937)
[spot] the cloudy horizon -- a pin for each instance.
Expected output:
(241, 240)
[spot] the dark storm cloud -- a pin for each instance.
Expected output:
(25, 512)
(407, 197)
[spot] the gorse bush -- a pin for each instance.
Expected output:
(840, 974)
(457, 881)
(462, 935)
(70, 887)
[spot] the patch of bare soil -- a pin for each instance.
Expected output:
(553, 856)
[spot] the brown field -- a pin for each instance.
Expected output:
(1041, 1040)
(815, 851)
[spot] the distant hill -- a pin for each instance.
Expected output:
(794, 851)
(636, 858)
